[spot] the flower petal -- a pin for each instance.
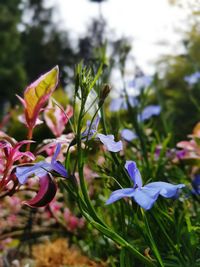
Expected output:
(56, 165)
(166, 189)
(196, 185)
(117, 104)
(45, 194)
(188, 145)
(57, 151)
(128, 135)
(59, 168)
(39, 169)
(108, 141)
(145, 197)
(134, 173)
(120, 193)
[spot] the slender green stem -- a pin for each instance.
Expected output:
(151, 239)
(81, 165)
(171, 243)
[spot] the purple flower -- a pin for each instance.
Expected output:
(128, 135)
(107, 140)
(193, 78)
(146, 195)
(148, 112)
(90, 130)
(196, 185)
(41, 168)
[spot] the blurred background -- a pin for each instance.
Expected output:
(156, 37)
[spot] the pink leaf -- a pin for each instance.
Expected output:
(37, 94)
(56, 118)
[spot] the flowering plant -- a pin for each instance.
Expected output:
(73, 177)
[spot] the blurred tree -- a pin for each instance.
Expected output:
(31, 44)
(180, 99)
(44, 44)
(94, 39)
(12, 73)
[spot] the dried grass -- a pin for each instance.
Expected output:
(59, 254)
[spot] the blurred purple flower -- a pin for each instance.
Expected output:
(133, 89)
(141, 82)
(41, 168)
(121, 103)
(196, 184)
(181, 154)
(128, 135)
(107, 140)
(193, 78)
(145, 196)
(148, 112)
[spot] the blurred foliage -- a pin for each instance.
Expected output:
(12, 72)
(44, 44)
(180, 100)
(30, 45)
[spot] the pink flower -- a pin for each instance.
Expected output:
(14, 203)
(56, 206)
(190, 148)
(12, 220)
(73, 222)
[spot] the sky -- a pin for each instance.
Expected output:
(148, 23)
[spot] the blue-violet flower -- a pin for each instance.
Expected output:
(146, 195)
(41, 168)
(107, 140)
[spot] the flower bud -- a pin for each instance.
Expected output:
(104, 93)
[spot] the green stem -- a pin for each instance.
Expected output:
(151, 239)
(81, 165)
